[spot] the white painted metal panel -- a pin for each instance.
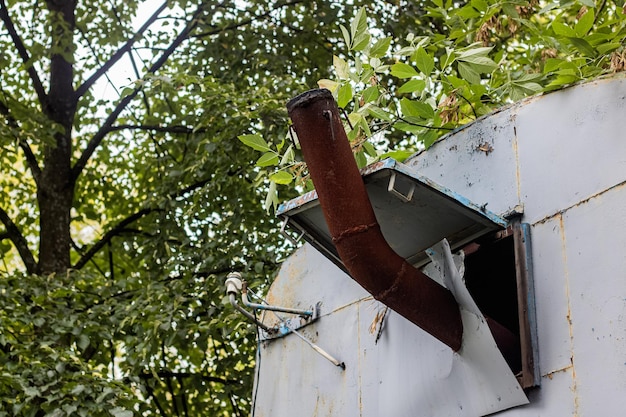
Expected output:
(596, 270)
(571, 146)
(551, 302)
(478, 162)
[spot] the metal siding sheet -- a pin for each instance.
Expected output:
(296, 380)
(551, 296)
(484, 177)
(303, 281)
(597, 279)
(571, 146)
(555, 398)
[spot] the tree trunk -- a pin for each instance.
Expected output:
(56, 186)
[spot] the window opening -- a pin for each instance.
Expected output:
(498, 275)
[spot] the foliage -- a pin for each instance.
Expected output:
(461, 61)
(126, 198)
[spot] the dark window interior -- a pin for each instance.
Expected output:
(490, 276)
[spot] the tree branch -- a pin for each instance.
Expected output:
(204, 377)
(401, 119)
(157, 128)
(100, 134)
(110, 235)
(31, 160)
(156, 400)
(82, 89)
(19, 241)
(249, 20)
(21, 49)
(121, 226)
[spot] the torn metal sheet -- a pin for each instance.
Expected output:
(479, 365)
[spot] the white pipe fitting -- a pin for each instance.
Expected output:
(233, 283)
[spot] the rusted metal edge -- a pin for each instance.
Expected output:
(530, 376)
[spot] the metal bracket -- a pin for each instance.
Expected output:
(283, 231)
(286, 326)
(235, 284)
(391, 188)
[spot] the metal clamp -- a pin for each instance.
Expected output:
(283, 231)
(391, 188)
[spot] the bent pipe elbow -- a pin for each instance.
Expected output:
(356, 233)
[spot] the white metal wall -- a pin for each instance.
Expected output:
(562, 159)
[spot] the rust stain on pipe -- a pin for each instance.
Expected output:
(354, 228)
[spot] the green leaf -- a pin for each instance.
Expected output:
(359, 23)
(408, 127)
(344, 96)
(562, 29)
(378, 113)
(467, 12)
(370, 94)
(449, 59)
(398, 155)
(402, 70)
(341, 68)
(412, 86)
(510, 10)
(281, 177)
(561, 81)
(480, 5)
(361, 42)
(328, 84)
(288, 156)
(120, 412)
(424, 61)
(369, 149)
(529, 88)
(361, 159)
(255, 141)
(608, 47)
(481, 64)
(83, 341)
(271, 199)
(380, 47)
(267, 159)
(585, 23)
(416, 109)
(468, 53)
(468, 73)
(346, 35)
(583, 47)
(552, 64)
(428, 138)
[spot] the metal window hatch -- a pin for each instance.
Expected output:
(414, 213)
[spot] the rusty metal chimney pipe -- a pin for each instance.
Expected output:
(353, 226)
